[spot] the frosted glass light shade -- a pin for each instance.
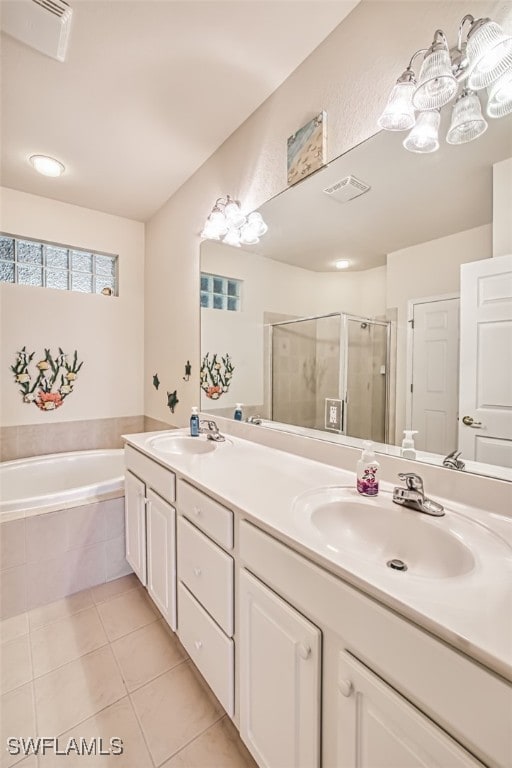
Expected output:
(436, 83)
(499, 102)
(234, 215)
(232, 237)
(255, 219)
(468, 122)
(398, 114)
(424, 137)
(489, 52)
(248, 235)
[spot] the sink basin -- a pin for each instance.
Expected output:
(378, 531)
(182, 445)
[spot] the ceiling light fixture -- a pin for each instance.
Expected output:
(342, 264)
(226, 222)
(482, 60)
(48, 166)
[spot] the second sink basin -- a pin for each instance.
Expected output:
(377, 530)
(182, 444)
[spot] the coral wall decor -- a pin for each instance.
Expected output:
(172, 400)
(216, 375)
(52, 381)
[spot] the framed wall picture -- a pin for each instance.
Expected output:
(307, 149)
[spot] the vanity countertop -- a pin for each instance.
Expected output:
(472, 612)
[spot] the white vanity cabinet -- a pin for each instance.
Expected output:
(150, 523)
(280, 676)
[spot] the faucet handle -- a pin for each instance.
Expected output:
(413, 481)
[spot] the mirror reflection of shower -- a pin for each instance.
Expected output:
(336, 356)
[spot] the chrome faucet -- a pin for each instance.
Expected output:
(452, 461)
(209, 428)
(254, 419)
(413, 495)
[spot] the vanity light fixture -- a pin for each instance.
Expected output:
(226, 222)
(48, 166)
(482, 60)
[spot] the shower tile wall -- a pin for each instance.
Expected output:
(327, 365)
(366, 381)
(294, 374)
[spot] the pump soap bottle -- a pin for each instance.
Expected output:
(408, 450)
(238, 412)
(367, 471)
(194, 423)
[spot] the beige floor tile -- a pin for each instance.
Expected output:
(146, 653)
(68, 606)
(77, 691)
(116, 721)
(174, 709)
(114, 588)
(66, 639)
(127, 612)
(18, 719)
(219, 746)
(15, 664)
(14, 627)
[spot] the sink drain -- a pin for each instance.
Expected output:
(396, 564)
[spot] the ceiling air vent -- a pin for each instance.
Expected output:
(347, 189)
(41, 24)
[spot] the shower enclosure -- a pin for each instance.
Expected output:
(337, 356)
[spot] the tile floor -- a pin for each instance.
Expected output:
(103, 663)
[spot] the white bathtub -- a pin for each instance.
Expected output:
(59, 481)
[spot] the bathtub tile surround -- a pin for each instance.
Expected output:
(77, 684)
(47, 557)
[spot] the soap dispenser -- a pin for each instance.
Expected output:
(408, 450)
(194, 423)
(368, 471)
(238, 412)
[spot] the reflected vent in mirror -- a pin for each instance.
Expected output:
(347, 189)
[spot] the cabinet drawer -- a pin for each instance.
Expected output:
(208, 647)
(207, 514)
(160, 479)
(208, 573)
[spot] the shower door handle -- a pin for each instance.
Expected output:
(342, 420)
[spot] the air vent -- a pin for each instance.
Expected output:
(347, 189)
(41, 24)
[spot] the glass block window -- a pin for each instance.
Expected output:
(220, 292)
(49, 265)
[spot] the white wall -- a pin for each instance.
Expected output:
(349, 75)
(428, 269)
(502, 208)
(271, 286)
(106, 331)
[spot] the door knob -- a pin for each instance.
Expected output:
(345, 687)
(470, 422)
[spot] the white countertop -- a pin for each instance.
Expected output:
(471, 612)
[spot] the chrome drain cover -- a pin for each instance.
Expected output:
(396, 564)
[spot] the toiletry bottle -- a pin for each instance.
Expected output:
(408, 451)
(194, 423)
(368, 471)
(238, 412)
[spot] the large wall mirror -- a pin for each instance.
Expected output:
(416, 333)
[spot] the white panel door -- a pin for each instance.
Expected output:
(135, 524)
(435, 375)
(485, 407)
(279, 680)
(377, 728)
(161, 554)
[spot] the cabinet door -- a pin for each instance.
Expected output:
(279, 680)
(378, 728)
(135, 524)
(161, 554)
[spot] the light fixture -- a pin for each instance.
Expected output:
(482, 60)
(468, 123)
(227, 222)
(424, 137)
(48, 166)
(342, 264)
(499, 102)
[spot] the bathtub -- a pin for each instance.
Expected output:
(59, 481)
(61, 526)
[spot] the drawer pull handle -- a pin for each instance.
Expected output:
(304, 651)
(197, 571)
(198, 644)
(196, 511)
(345, 687)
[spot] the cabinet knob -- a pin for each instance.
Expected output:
(345, 687)
(304, 651)
(198, 644)
(196, 511)
(197, 571)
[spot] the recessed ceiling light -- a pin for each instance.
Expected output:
(342, 264)
(47, 165)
